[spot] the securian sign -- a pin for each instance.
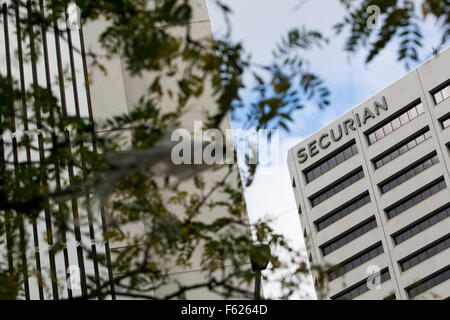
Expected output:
(325, 140)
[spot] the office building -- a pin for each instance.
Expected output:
(372, 191)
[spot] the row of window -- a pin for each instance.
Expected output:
(343, 211)
(330, 191)
(356, 261)
(335, 159)
(408, 173)
(416, 198)
(429, 282)
(348, 236)
(445, 122)
(442, 94)
(398, 151)
(425, 253)
(422, 224)
(361, 287)
(400, 120)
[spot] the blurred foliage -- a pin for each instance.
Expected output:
(113, 166)
(400, 21)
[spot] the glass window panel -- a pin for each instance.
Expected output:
(426, 194)
(348, 153)
(391, 185)
(435, 159)
(396, 123)
(372, 138)
(442, 215)
(433, 220)
(446, 92)
(420, 139)
(424, 225)
(419, 108)
(401, 179)
(404, 119)
(427, 135)
(354, 149)
(438, 97)
(434, 189)
(414, 260)
(416, 229)
(403, 149)
(387, 129)
(378, 164)
(385, 160)
(379, 134)
(427, 164)
(394, 154)
(409, 174)
(332, 163)
(411, 144)
(324, 167)
(340, 158)
(418, 169)
(412, 113)
(316, 173)
(406, 265)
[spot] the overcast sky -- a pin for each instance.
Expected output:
(259, 24)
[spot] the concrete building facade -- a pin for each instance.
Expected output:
(88, 93)
(372, 191)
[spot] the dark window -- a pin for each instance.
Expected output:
(445, 121)
(336, 187)
(342, 211)
(422, 224)
(408, 173)
(360, 288)
(429, 282)
(397, 151)
(356, 261)
(348, 236)
(394, 123)
(333, 160)
(425, 253)
(415, 198)
(442, 93)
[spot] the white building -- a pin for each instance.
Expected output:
(372, 190)
(104, 95)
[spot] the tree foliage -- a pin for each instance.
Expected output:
(116, 170)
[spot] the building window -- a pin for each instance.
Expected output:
(391, 297)
(421, 225)
(356, 261)
(445, 121)
(342, 211)
(429, 282)
(336, 187)
(416, 198)
(442, 93)
(348, 236)
(332, 161)
(409, 173)
(404, 147)
(360, 288)
(396, 122)
(425, 253)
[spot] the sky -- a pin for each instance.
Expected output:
(259, 24)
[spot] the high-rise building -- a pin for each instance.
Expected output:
(372, 191)
(88, 93)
